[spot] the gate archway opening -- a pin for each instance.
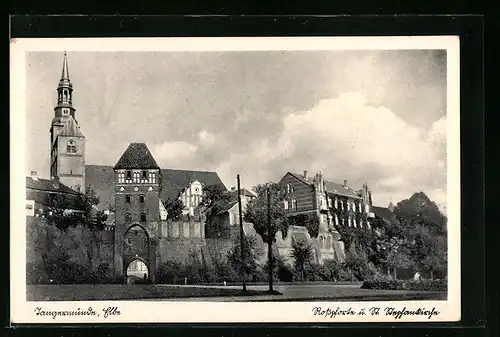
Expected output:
(137, 270)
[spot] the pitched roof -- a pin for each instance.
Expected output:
(71, 129)
(137, 155)
(102, 179)
(47, 185)
(385, 213)
(174, 181)
(42, 191)
(331, 187)
(301, 178)
(339, 189)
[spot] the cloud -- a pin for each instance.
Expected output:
(346, 138)
(173, 152)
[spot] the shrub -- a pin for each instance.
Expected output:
(285, 273)
(358, 267)
(427, 285)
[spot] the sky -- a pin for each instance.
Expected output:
(376, 117)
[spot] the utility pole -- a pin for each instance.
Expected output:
(269, 240)
(242, 240)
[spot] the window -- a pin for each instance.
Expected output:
(288, 188)
(152, 178)
(129, 175)
(294, 204)
(355, 223)
(121, 177)
(143, 217)
(286, 204)
(360, 207)
(141, 199)
(127, 198)
(136, 177)
(336, 202)
(71, 146)
(336, 220)
(341, 205)
(329, 202)
(128, 217)
(349, 222)
(144, 174)
(144, 242)
(348, 205)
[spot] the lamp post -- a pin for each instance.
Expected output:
(242, 240)
(269, 240)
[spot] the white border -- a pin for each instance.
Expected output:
(199, 312)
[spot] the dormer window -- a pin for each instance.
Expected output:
(71, 146)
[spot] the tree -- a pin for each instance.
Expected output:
(250, 255)
(174, 209)
(79, 210)
(257, 211)
(425, 226)
(302, 254)
(212, 194)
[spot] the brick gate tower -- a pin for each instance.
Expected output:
(137, 213)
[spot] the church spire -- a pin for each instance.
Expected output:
(65, 71)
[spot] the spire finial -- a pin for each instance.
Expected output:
(65, 71)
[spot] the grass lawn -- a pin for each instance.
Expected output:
(105, 292)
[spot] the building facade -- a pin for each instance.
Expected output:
(134, 193)
(332, 204)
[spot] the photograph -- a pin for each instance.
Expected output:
(231, 175)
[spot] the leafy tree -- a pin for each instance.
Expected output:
(250, 255)
(174, 209)
(79, 210)
(310, 221)
(257, 211)
(302, 254)
(212, 194)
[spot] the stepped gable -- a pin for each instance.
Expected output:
(71, 129)
(137, 155)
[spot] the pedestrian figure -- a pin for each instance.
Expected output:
(145, 277)
(417, 277)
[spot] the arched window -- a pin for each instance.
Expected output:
(349, 222)
(65, 94)
(286, 204)
(141, 199)
(143, 217)
(329, 242)
(128, 217)
(336, 220)
(71, 146)
(294, 204)
(127, 198)
(288, 188)
(152, 178)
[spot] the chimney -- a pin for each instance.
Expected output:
(233, 188)
(305, 174)
(345, 183)
(34, 175)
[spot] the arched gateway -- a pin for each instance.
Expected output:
(137, 215)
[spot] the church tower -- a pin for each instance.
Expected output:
(137, 212)
(67, 156)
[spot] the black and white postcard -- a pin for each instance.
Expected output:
(159, 180)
